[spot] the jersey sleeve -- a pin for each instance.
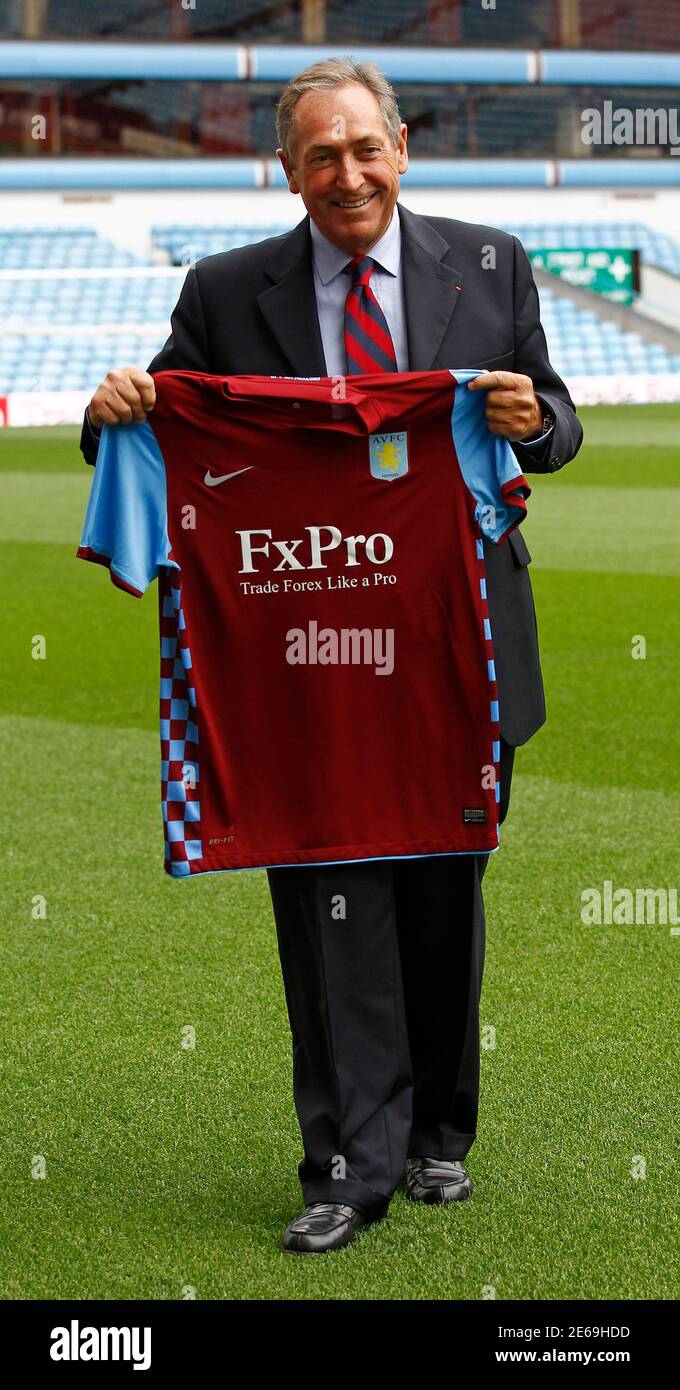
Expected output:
(487, 463)
(126, 523)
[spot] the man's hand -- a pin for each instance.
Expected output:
(511, 405)
(123, 396)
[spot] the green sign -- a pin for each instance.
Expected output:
(609, 271)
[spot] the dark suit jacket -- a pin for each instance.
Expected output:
(253, 310)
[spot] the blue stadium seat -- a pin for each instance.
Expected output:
(38, 309)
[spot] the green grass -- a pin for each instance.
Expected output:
(167, 1166)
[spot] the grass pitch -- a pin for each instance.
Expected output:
(170, 1169)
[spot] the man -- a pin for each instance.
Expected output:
(383, 1007)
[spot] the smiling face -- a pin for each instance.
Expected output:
(345, 165)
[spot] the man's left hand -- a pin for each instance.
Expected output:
(511, 405)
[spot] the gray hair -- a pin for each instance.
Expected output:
(323, 77)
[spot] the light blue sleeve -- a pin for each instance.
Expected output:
(126, 523)
(487, 462)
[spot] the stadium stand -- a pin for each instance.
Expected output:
(63, 363)
(57, 248)
(185, 240)
(65, 326)
(656, 248)
(602, 24)
(129, 117)
(494, 99)
(87, 300)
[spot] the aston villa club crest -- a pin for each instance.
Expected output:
(389, 455)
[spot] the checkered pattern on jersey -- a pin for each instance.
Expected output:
(179, 738)
(491, 672)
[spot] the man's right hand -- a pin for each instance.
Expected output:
(126, 395)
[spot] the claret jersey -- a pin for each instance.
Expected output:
(327, 683)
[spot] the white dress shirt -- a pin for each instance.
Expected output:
(331, 286)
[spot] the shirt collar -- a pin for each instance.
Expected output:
(330, 260)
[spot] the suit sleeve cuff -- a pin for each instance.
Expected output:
(96, 429)
(540, 443)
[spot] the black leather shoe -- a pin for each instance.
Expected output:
(436, 1180)
(326, 1226)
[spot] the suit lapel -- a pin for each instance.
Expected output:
(430, 296)
(289, 303)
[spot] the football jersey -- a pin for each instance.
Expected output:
(327, 683)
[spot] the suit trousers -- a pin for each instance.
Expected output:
(382, 963)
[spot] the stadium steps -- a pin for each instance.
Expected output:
(629, 320)
(660, 296)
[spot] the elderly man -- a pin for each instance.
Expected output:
(383, 1007)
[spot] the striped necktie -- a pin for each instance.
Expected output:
(368, 342)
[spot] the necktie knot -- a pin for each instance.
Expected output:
(361, 269)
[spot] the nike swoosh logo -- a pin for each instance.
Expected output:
(212, 482)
